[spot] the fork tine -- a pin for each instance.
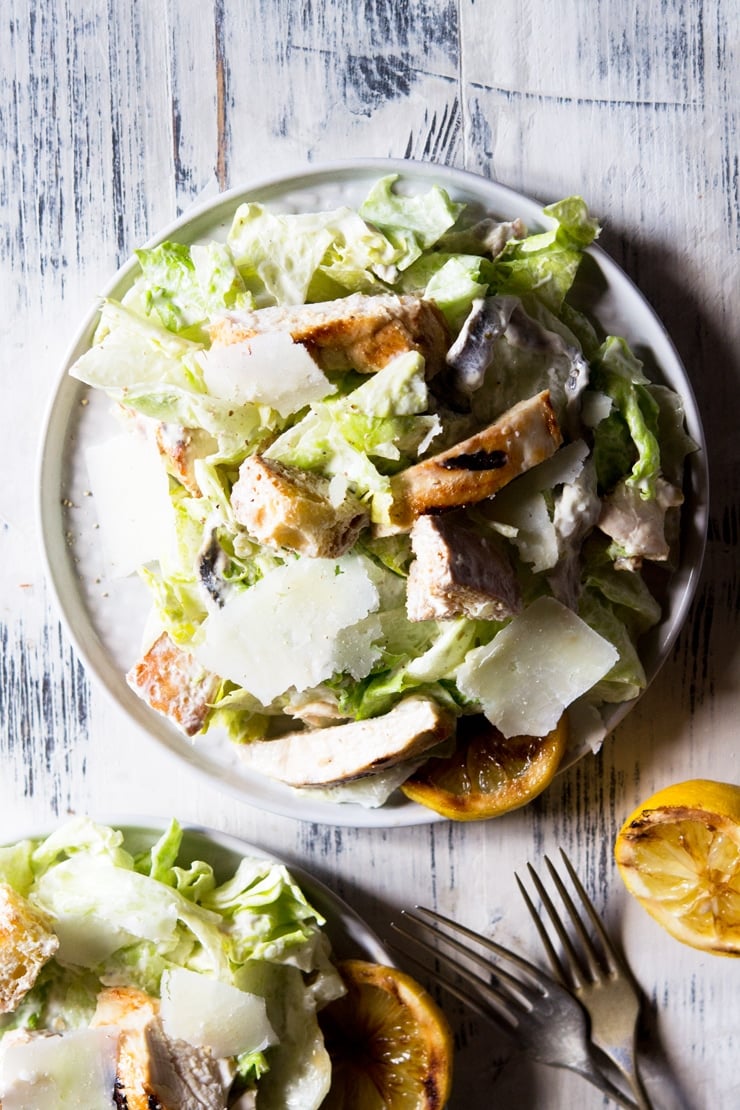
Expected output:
(498, 1003)
(544, 1018)
(589, 951)
(577, 971)
(555, 964)
(527, 993)
(485, 942)
(612, 958)
(486, 1011)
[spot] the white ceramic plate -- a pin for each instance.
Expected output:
(350, 937)
(106, 618)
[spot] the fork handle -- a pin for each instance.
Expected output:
(589, 1070)
(624, 1059)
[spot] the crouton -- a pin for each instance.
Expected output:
(27, 943)
(174, 683)
(284, 506)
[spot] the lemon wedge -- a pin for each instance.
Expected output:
(487, 774)
(390, 1044)
(679, 855)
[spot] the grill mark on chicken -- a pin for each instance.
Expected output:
(475, 469)
(476, 460)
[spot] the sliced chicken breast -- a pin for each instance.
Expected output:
(457, 572)
(479, 466)
(153, 1069)
(358, 332)
(637, 525)
(339, 753)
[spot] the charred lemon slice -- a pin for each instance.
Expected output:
(390, 1044)
(679, 855)
(487, 775)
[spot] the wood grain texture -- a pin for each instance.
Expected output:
(115, 118)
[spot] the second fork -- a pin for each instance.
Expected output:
(542, 1017)
(599, 979)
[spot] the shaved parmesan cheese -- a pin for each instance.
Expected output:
(210, 1014)
(131, 492)
(291, 629)
(535, 667)
(522, 506)
(535, 536)
(76, 1071)
(269, 369)
(595, 407)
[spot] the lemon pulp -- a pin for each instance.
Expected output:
(679, 855)
(487, 774)
(389, 1043)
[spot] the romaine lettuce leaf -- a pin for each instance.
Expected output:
(412, 223)
(618, 374)
(546, 263)
(129, 351)
(184, 286)
(281, 256)
(452, 281)
(626, 679)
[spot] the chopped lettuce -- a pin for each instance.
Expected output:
(365, 434)
(546, 263)
(281, 256)
(185, 286)
(452, 281)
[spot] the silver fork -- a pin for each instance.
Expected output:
(599, 979)
(543, 1018)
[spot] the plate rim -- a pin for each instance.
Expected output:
(694, 525)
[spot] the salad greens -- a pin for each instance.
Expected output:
(128, 919)
(575, 532)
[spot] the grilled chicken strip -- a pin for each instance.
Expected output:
(174, 683)
(180, 447)
(458, 572)
(284, 506)
(154, 1070)
(358, 332)
(479, 466)
(339, 753)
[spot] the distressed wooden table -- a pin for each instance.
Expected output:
(116, 117)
